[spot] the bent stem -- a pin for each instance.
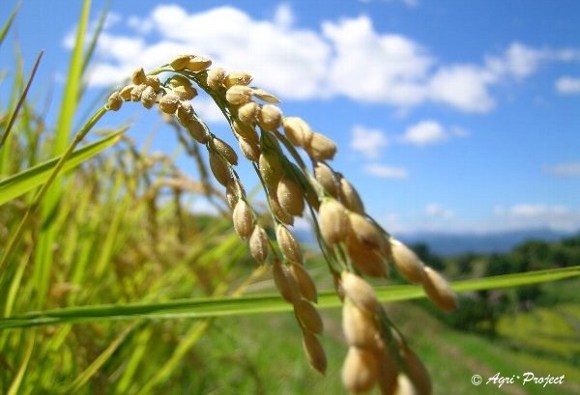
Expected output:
(13, 243)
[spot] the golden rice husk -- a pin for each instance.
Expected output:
(308, 316)
(388, 371)
(168, 103)
(367, 232)
(359, 370)
(225, 150)
(438, 290)
(215, 77)
(219, 168)
(280, 214)
(359, 327)
(148, 97)
(325, 176)
(198, 63)
(114, 102)
(238, 95)
(259, 247)
(269, 117)
(196, 130)
(137, 91)
(288, 244)
(305, 283)
(366, 259)
(297, 130)
(250, 149)
(234, 192)
(359, 292)
(314, 351)
(248, 112)
(270, 168)
(406, 262)
(243, 219)
(333, 221)
(417, 372)
(185, 92)
(285, 283)
(320, 147)
(266, 96)
(350, 197)
(405, 386)
(138, 76)
(237, 78)
(180, 62)
(290, 196)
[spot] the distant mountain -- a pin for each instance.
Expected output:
(446, 244)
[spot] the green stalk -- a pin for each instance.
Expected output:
(17, 236)
(43, 258)
(261, 304)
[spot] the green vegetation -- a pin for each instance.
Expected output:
(109, 284)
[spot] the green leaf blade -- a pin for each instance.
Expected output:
(21, 183)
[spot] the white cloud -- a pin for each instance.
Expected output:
(208, 110)
(435, 210)
(464, 87)
(290, 62)
(568, 85)
(284, 16)
(346, 57)
(384, 171)
(564, 169)
(369, 142)
(375, 68)
(518, 61)
(526, 216)
(425, 133)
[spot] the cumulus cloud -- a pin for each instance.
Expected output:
(347, 57)
(435, 210)
(564, 169)
(384, 171)
(425, 133)
(430, 132)
(526, 215)
(369, 142)
(375, 68)
(568, 85)
(464, 87)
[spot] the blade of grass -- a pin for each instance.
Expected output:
(190, 338)
(137, 356)
(95, 38)
(7, 162)
(23, 182)
(17, 235)
(8, 24)
(93, 368)
(14, 114)
(73, 84)
(43, 258)
(259, 304)
(15, 386)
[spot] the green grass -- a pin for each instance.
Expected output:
(544, 329)
(453, 357)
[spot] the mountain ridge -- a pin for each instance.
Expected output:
(446, 244)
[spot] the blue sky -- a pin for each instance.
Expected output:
(450, 116)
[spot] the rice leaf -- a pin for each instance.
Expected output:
(23, 182)
(260, 304)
